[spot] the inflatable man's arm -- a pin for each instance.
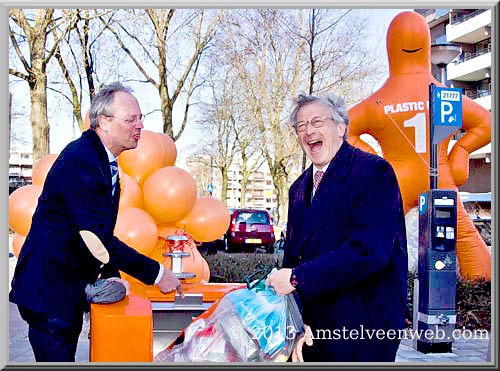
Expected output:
(359, 124)
(477, 126)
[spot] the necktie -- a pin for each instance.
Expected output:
(317, 178)
(114, 175)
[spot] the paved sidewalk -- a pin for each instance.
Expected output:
(469, 351)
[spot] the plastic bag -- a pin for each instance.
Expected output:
(247, 325)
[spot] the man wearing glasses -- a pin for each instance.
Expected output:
(71, 242)
(345, 256)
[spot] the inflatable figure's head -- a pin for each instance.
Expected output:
(408, 44)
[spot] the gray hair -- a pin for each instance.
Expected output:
(102, 100)
(331, 101)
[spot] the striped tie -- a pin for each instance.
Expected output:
(114, 175)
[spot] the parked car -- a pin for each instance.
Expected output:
(17, 181)
(249, 229)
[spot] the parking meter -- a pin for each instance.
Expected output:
(437, 270)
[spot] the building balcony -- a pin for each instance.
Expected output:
(470, 28)
(481, 97)
(484, 102)
(471, 66)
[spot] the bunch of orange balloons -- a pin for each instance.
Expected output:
(157, 198)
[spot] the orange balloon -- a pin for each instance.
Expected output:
(208, 220)
(131, 193)
(195, 263)
(166, 229)
(22, 205)
(17, 243)
(169, 194)
(149, 156)
(41, 169)
(137, 229)
(170, 149)
(86, 121)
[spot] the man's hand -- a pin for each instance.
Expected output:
(297, 349)
(280, 281)
(169, 282)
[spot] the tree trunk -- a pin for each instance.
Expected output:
(38, 97)
(224, 185)
(10, 120)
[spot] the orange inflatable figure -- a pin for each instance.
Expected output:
(397, 115)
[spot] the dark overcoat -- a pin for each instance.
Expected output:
(348, 247)
(54, 264)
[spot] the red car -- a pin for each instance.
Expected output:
(250, 229)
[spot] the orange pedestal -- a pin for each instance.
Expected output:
(123, 331)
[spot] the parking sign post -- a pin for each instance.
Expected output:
(436, 300)
(445, 114)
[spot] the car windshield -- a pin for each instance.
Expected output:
(252, 217)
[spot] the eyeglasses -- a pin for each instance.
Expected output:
(316, 122)
(131, 120)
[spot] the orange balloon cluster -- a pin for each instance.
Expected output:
(167, 194)
(156, 199)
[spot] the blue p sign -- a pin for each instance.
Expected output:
(422, 203)
(447, 112)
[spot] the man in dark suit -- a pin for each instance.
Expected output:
(345, 257)
(77, 210)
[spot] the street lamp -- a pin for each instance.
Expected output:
(441, 56)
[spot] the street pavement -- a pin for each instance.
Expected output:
(465, 349)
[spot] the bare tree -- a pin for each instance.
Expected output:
(174, 47)
(268, 67)
(77, 62)
(219, 121)
(277, 53)
(33, 27)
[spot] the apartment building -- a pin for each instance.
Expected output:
(20, 169)
(259, 193)
(471, 71)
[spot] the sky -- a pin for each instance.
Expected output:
(61, 133)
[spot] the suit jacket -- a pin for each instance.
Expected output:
(348, 247)
(55, 265)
